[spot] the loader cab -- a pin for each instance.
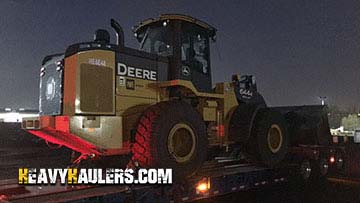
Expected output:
(185, 41)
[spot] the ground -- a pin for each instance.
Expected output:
(20, 149)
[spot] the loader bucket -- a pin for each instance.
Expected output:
(307, 124)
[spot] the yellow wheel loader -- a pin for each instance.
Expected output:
(156, 103)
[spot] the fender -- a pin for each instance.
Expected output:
(188, 85)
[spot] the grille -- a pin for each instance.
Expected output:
(51, 89)
(96, 89)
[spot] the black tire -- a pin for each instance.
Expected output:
(269, 141)
(305, 170)
(158, 133)
(323, 134)
(241, 123)
(339, 157)
(322, 165)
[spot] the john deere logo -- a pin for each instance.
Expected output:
(185, 70)
(134, 72)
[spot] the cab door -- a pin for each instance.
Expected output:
(195, 62)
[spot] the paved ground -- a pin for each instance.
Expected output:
(20, 149)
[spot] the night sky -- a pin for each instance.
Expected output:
(298, 50)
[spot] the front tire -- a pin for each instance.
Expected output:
(270, 139)
(171, 135)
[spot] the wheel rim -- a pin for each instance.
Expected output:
(181, 142)
(305, 170)
(274, 138)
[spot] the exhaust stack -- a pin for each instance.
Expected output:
(119, 32)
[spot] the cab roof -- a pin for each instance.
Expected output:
(180, 17)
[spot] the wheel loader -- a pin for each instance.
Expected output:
(156, 104)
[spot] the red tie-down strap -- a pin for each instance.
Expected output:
(77, 144)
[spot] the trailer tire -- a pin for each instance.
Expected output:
(305, 170)
(171, 135)
(316, 170)
(339, 156)
(323, 167)
(269, 141)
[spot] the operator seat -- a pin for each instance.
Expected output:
(192, 62)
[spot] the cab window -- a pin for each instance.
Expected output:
(195, 51)
(157, 40)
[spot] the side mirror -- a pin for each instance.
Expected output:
(357, 136)
(253, 81)
(235, 78)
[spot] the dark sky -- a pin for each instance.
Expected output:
(298, 50)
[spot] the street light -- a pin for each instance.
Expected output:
(322, 99)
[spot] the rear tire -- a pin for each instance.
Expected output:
(171, 135)
(269, 141)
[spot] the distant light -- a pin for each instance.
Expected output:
(332, 159)
(21, 109)
(322, 99)
(12, 117)
(7, 109)
(164, 23)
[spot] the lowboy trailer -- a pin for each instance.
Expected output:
(224, 175)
